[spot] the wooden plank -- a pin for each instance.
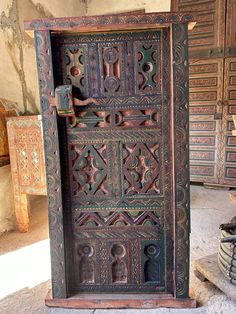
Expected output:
(129, 301)
(208, 268)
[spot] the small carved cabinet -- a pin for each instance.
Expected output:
(114, 101)
(27, 164)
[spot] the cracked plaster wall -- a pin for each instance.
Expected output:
(18, 76)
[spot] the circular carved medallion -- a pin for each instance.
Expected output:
(75, 71)
(152, 251)
(118, 250)
(110, 55)
(112, 83)
(86, 250)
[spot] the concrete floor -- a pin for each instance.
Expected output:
(25, 260)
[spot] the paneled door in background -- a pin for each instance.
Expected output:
(212, 52)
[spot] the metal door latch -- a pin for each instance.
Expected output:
(65, 102)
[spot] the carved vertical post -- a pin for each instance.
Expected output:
(52, 161)
(181, 156)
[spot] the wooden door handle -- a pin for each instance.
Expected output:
(86, 102)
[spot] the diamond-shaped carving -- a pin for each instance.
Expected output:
(90, 170)
(141, 169)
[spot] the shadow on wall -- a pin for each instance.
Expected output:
(18, 78)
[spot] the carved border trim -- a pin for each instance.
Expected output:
(181, 150)
(126, 21)
(52, 162)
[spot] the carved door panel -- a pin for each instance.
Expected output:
(228, 153)
(118, 161)
(207, 38)
(205, 118)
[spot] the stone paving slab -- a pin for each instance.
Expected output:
(153, 311)
(208, 268)
(126, 311)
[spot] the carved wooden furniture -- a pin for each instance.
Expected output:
(114, 102)
(27, 164)
(6, 110)
(212, 90)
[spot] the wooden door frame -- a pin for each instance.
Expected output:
(180, 132)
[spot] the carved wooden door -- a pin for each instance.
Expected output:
(116, 161)
(117, 164)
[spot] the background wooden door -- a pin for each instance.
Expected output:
(212, 48)
(118, 160)
(207, 37)
(228, 147)
(205, 102)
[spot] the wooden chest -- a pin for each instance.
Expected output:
(114, 101)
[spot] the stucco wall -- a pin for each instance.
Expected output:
(18, 78)
(110, 6)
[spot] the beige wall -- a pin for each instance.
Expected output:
(18, 78)
(110, 6)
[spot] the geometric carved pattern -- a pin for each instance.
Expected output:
(129, 20)
(29, 153)
(89, 170)
(147, 72)
(111, 70)
(119, 233)
(118, 219)
(25, 140)
(119, 118)
(75, 69)
(44, 62)
(141, 169)
(180, 76)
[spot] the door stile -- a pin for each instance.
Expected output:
(52, 161)
(167, 167)
(181, 158)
